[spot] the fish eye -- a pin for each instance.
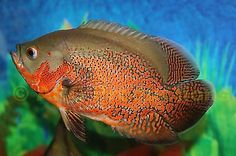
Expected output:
(32, 53)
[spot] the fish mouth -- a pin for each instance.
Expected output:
(16, 57)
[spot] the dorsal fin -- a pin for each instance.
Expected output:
(169, 58)
(114, 28)
(130, 40)
(180, 64)
(73, 123)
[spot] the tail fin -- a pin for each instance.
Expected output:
(194, 99)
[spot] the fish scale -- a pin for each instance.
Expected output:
(128, 89)
(142, 86)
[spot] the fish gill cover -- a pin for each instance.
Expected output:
(205, 29)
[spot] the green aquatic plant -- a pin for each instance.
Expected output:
(215, 63)
(9, 111)
(24, 114)
(85, 17)
(217, 135)
(7, 120)
(132, 25)
(66, 24)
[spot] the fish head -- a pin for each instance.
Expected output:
(40, 62)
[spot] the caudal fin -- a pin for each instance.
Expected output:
(194, 99)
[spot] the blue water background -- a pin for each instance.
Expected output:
(184, 21)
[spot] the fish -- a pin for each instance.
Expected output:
(144, 87)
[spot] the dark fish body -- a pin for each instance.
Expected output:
(144, 87)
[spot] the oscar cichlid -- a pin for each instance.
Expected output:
(144, 87)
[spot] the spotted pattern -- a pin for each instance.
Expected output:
(122, 86)
(194, 99)
(124, 91)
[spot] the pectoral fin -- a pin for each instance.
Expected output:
(74, 123)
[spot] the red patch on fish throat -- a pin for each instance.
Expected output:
(42, 80)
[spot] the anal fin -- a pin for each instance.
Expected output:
(74, 123)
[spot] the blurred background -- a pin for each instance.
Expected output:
(30, 126)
